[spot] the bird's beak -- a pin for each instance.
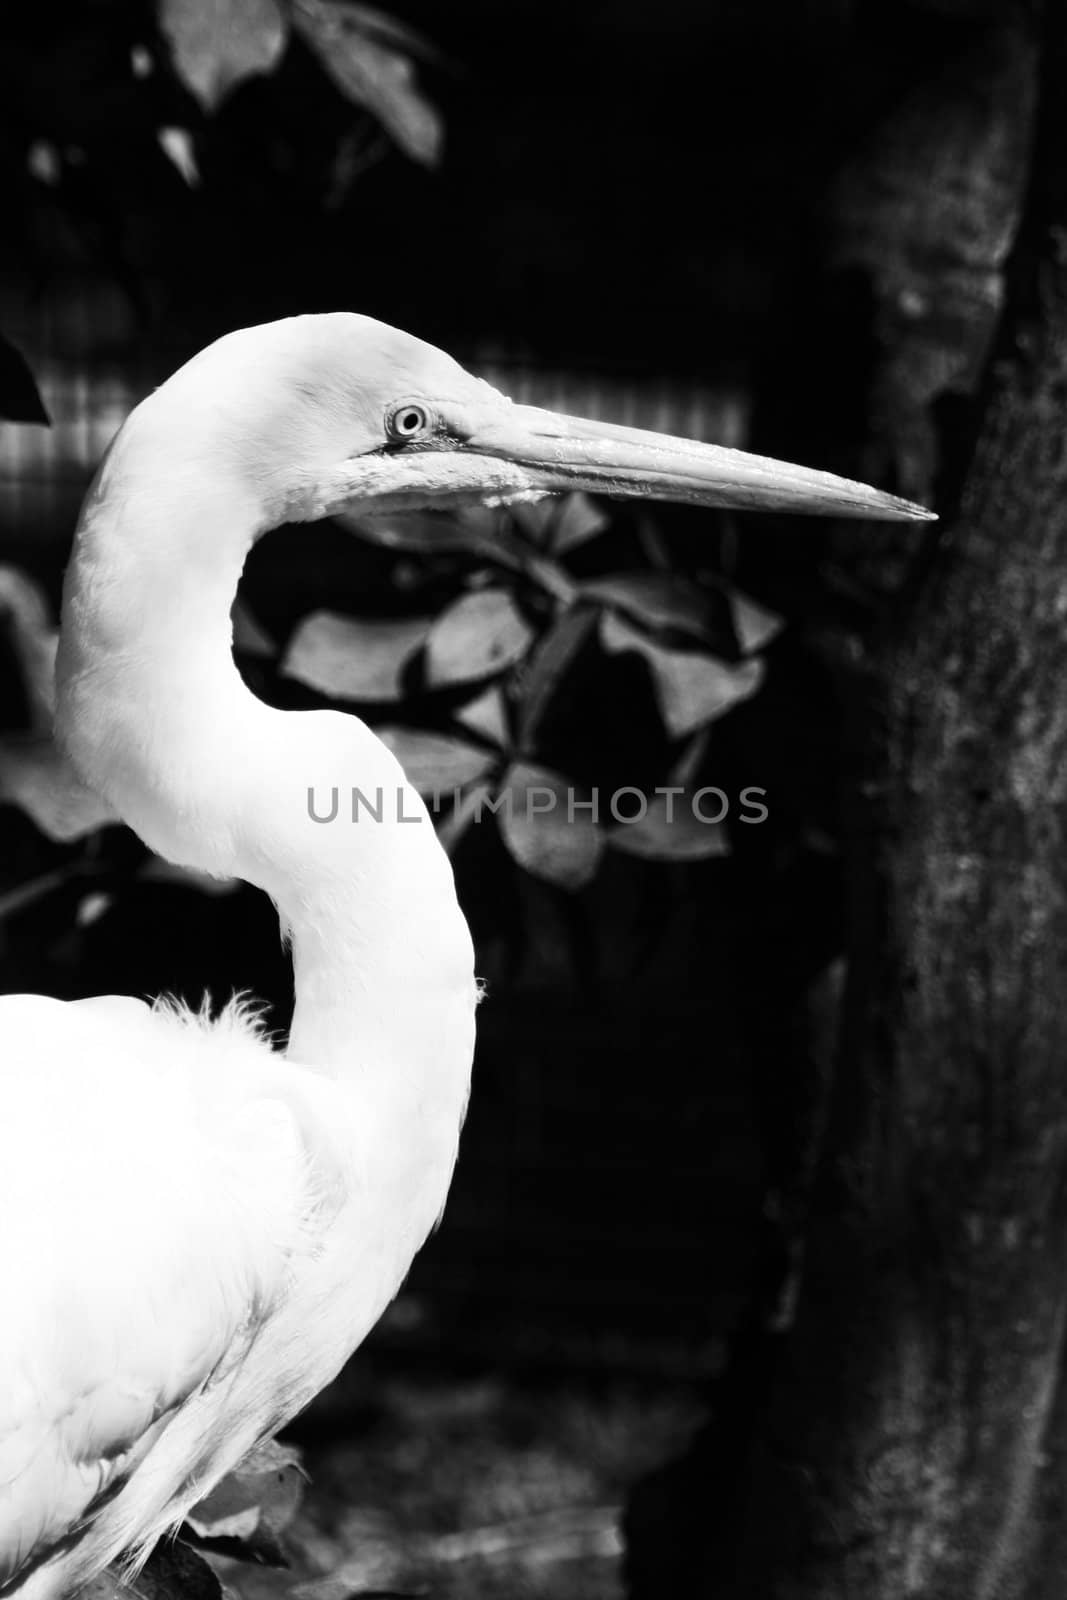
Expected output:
(497, 453)
(556, 453)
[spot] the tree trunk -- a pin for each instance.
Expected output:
(913, 1440)
(902, 1449)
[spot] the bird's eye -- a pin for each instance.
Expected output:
(407, 422)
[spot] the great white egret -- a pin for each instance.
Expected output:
(196, 1230)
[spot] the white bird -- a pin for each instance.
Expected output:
(196, 1229)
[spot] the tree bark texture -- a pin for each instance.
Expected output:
(909, 1444)
(911, 1438)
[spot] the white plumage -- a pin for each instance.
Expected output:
(196, 1230)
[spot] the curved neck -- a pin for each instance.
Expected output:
(155, 716)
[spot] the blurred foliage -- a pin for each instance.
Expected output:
(495, 700)
(164, 144)
(534, 633)
(471, 1489)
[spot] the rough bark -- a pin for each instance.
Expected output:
(902, 1449)
(912, 1440)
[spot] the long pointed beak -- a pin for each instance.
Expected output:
(558, 453)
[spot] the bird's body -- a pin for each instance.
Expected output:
(197, 1229)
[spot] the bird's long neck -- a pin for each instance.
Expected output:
(157, 719)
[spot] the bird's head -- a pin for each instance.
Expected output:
(334, 412)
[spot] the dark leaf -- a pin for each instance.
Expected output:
(350, 658)
(578, 520)
(436, 763)
(246, 1514)
(479, 634)
(512, 550)
(39, 780)
(754, 625)
(543, 674)
(391, 30)
(560, 523)
(535, 518)
(216, 44)
(172, 1572)
(372, 73)
(26, 617)
(249, 638)
(546, 827)
(691, 688)
(671, 830)
(487, 715)
(468, 808)
(661, 601)
(691, 759)
(20, 399)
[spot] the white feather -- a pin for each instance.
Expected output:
(196, 1230)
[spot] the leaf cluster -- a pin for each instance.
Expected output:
(525, 674)
(495, 701)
